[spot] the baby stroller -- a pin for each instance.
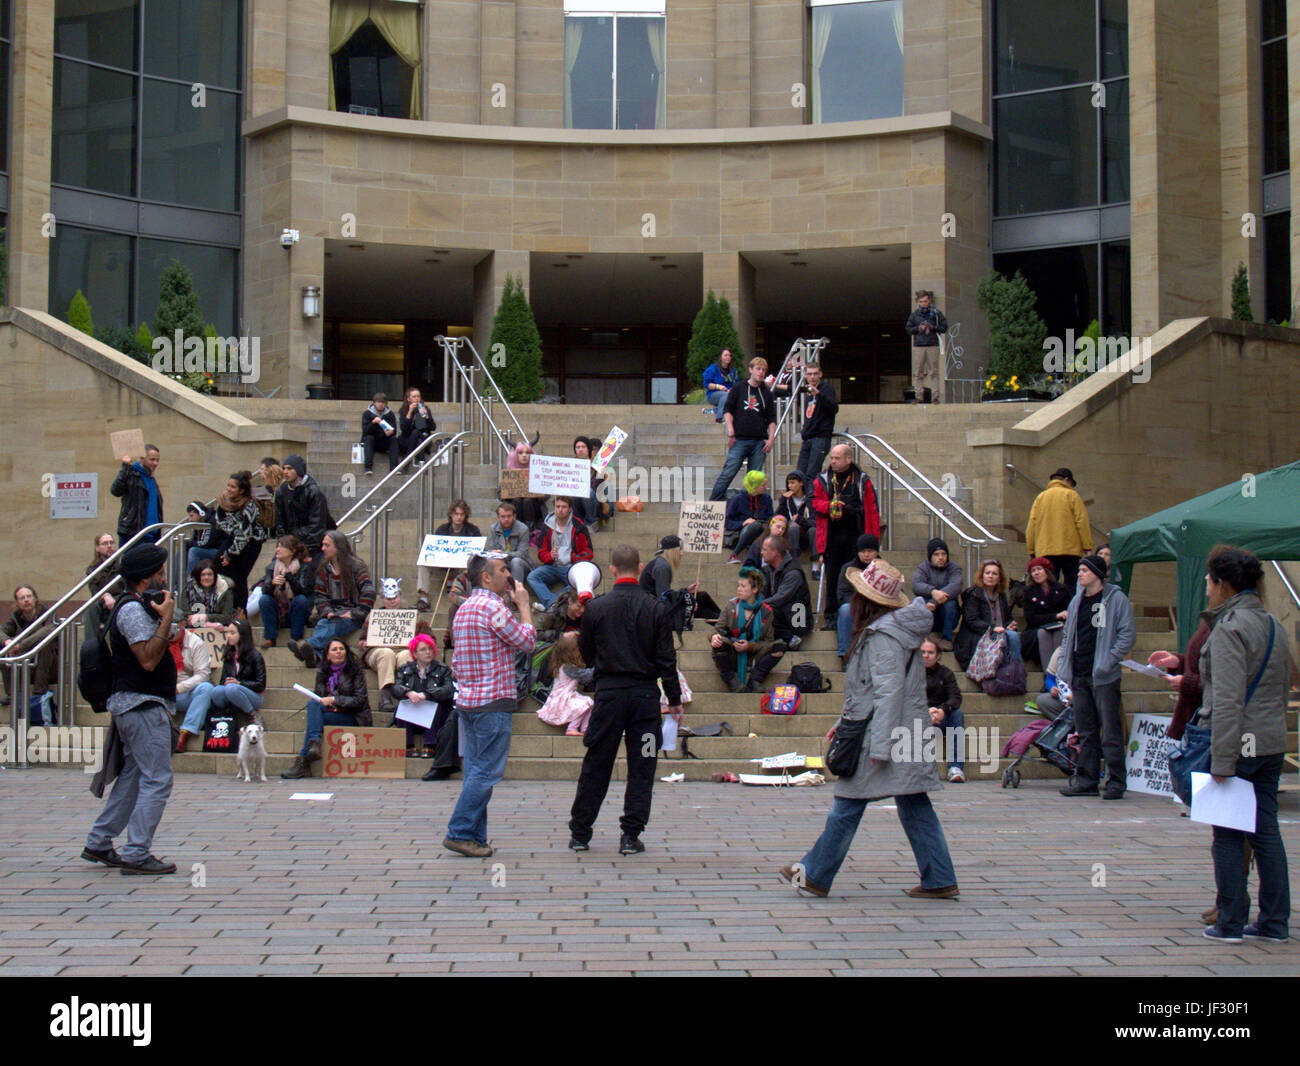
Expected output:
(1052, 743)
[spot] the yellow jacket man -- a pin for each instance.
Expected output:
(1058, 527)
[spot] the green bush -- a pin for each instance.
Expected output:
(695, 396)
(126, 341)
(514, 351)
(712, 330)
(1241, 311)
(1016, 332)
(79, 314)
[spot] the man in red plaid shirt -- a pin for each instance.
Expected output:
(486, 637)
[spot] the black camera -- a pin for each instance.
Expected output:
(155, 596)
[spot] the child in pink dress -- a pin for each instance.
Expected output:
(565, 705)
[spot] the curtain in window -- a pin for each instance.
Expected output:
(821, 35)
(346, 17)
(654, 35)
(399, 24)
(898, 26)
(572, 44)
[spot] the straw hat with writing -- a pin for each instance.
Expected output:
(880, 583)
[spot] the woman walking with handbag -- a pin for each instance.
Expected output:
(1245, 670)
(884, 694)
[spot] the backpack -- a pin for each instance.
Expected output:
(95, 662)
(681, 609)
(1009, 680)
(783, 699)
(807, 677)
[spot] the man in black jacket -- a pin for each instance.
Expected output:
(943, 696)
(786, 592)
(627, 639)
(141, 495)
(301, 509)
(820, 408)
(379, 432)
(924, 325)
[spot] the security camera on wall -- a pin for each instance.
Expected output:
(288, 238)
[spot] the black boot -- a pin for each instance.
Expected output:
(387, 701)
(732, 682)
(301, 768)
(313, 751)
(439, 773)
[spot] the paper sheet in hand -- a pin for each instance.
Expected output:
(1230, 805)
(420, 714)
(1143, 668)
(669, 733)
(304, 690)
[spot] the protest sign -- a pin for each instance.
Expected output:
(127, 442)
(351, 751)
(514, 484)
(1147, 756)
(451, 552)
(700, 525)
(606, 452)
(390, 629)
(75, 496)
(556, 475)
(215, 638)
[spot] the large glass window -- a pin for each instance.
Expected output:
(99, 264)
(193, 41)
(614, 72)
(5, 41)
(1077, 284)
(214, 279)
(98, 31)
(182, 142)
(375, 61)
(94, 128)
(845, 87)
(1060, 105)
(1273, 87)
(1277, 268)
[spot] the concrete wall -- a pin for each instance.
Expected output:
(61, 394)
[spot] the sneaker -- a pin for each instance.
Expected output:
(734, 684)
(148, 865)
(109, 856)
(829, 626)
(295, 649)
(630, 845)
(734, 560)
(945, 645)
(370, 473)
(469, 848)
(578, 845)
(307, 654)
(791, 877)
(539, 607)
(707, 411)
(946, 892)
(1251, 932)
(794, 643)
(1215, 932)
(423, 604)
(956, 776)
(1112, 793)
(816, 569)
(1073, 789)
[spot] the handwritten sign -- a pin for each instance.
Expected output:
(514, 484)
(390, 629)
(127, 442)
(606, 452)
(451, 552)
(215, 638)
(700, 525)
(75, 496)
(351, 751)
(557, 475)
(1146, 760)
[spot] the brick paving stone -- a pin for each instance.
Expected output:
(362, 887)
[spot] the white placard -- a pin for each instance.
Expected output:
(1229, 805)
(606, 451)
(451, 552)
(74, 496)
(420, 714)
(1146, 759)
(390, 629)
(312, 796)
(701, 525)
(781, 762)
(669, 732)
(557, 475)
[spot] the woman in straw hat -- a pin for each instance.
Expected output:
(885, 684)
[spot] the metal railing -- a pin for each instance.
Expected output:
(64, 631)
(395, 475)
(461, 386)
(1015, 471)
(423, 474)
(1286, 582)
(803, 353)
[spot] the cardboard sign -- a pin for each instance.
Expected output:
(700, 525)
(450, 552)
(214, 638)
(612, 444)
(1146, 759)
(556, 475)
(514, 484)
(75, 496)
(351, 751)
(390, 629)
(127, 442)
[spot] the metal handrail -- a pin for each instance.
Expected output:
(1043, 488)
(802, 351)
(1286, 583)
(399, 470)
(452, 347)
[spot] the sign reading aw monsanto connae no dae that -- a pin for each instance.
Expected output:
(556, 475)
(700, 525)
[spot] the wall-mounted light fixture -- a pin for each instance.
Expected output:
(311, 301)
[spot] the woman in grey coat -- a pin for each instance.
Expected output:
(885, 682)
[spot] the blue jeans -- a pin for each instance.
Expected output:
(1013, 641)
(42, 709)
(945, 622)
(235, 698)
(1262, 771)
(812, 453)
(329, 628)
(195, 704)
(540, 579)
(141, 790)
(920, 823)
(318, 718)
(717, 399)
(193, 556)
(844, 628)
(954, 739)
(746, 450)
(299, 609)
(487, 743)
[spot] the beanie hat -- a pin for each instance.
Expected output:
(868, 540)
(1046, 564)
(1096, 564)
(297, 462)
(935, 545)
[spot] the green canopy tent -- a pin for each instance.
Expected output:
(1260, 513)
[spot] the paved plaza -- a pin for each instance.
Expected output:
(360, 884)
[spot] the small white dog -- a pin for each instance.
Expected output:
(252, 753)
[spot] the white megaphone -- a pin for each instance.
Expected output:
(584, 577)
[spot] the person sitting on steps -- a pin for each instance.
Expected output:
(342, 700)
(743, 634)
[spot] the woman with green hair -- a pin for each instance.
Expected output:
(743, 634)
(747, 514)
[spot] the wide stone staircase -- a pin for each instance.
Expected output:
(680, 443)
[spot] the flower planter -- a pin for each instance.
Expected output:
(1019, 396)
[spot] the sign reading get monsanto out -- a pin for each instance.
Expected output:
(351, 751)
(74, 496)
